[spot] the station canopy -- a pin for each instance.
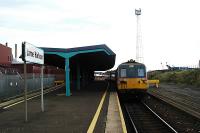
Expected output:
(95, 57)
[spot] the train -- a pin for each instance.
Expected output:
(131, 77)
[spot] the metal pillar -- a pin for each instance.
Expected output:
(83, 78)
(42, 97)
(139, 47)
(25, 92)
(199, 63)
(78, 77)
(67, 75)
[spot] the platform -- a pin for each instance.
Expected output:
(62, 114)
(115, 121)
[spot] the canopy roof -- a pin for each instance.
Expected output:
(96, 57)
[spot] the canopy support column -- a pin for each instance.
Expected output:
(78, 77)
(67, 77)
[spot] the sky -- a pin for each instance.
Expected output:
(170, 28)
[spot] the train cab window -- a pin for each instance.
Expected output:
(140, 72)
(123, 73)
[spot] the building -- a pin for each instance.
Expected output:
(5, 55)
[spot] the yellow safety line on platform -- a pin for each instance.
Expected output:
(121, 115)
(95, 118)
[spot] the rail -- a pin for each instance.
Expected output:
(144, 119)
(184, 105)
(161, 119)
(132, 123)
(15, 101)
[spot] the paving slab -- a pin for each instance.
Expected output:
(62, 114)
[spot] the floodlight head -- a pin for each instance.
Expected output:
(138, 11)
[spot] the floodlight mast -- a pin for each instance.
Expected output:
(139, 48)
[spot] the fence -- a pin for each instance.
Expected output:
(12, 85)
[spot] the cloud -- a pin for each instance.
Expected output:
(170, 29)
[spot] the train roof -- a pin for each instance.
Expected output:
(131, 61)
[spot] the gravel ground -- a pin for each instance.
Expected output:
(184, 90)
(180, 120)
(186, 98)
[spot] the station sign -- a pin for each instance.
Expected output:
(33, 54)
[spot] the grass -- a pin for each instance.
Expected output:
(188, 77)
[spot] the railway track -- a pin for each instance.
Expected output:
(182, 102)
(9, 103)
(145, 120)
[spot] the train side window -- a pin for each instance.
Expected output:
(123, 73)
(140, 72)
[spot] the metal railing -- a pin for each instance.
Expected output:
(12, 85)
